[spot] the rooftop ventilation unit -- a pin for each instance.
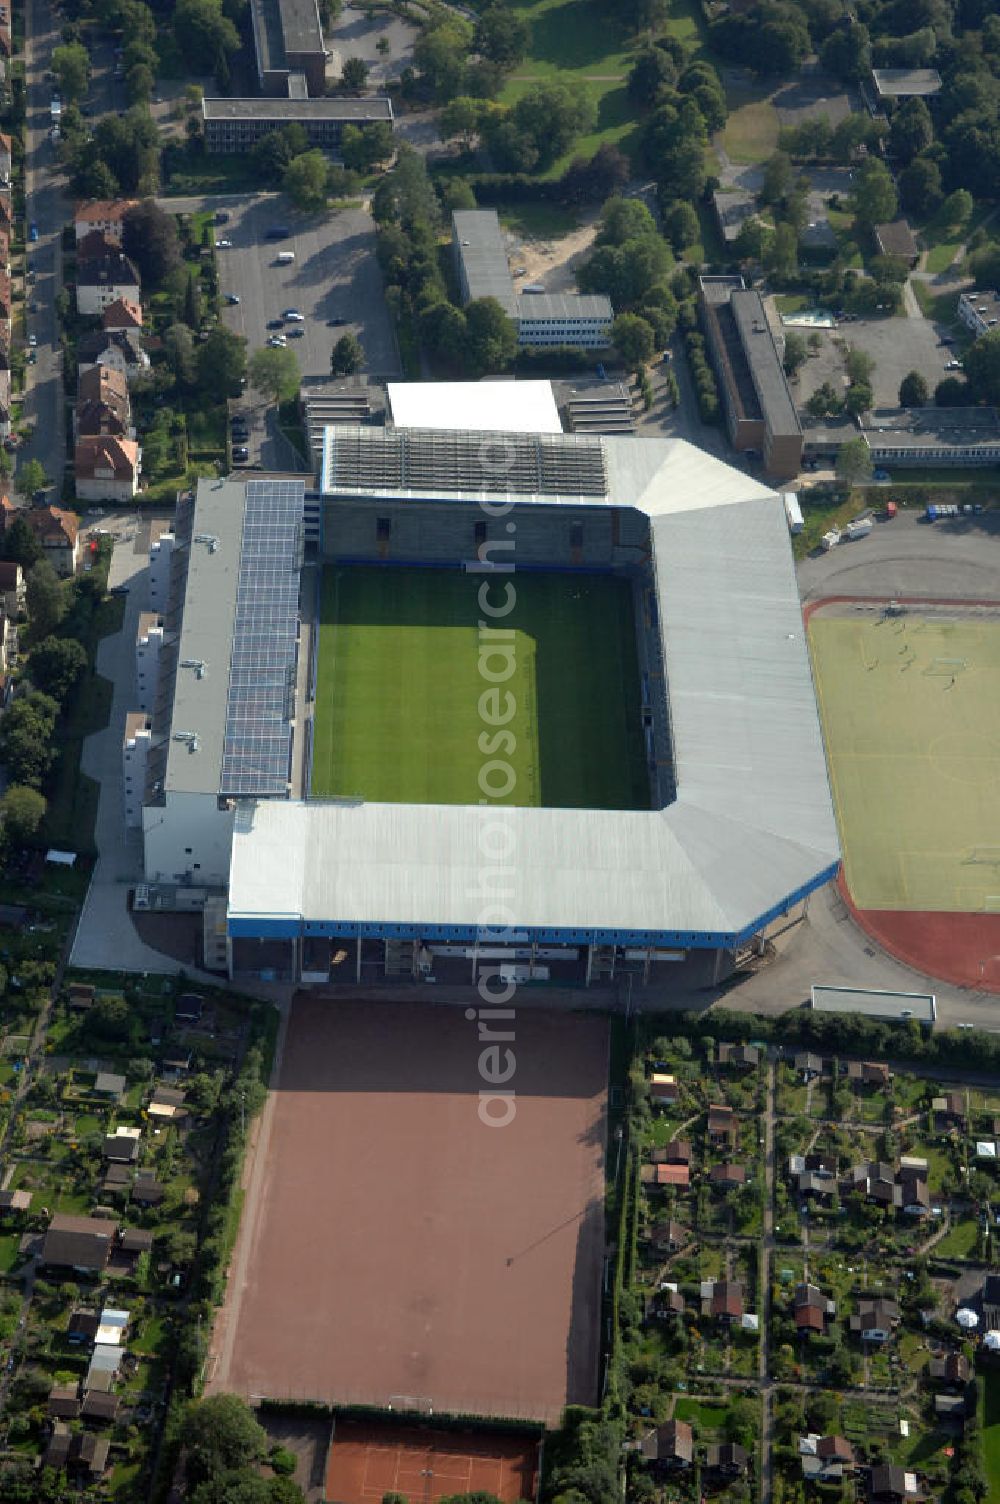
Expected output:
(208, 538)
(198, 664)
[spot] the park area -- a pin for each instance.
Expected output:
(910, 704)
(402, 671)
(398, 1250)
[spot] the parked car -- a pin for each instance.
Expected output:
(880, 475)
(953, 365)
(294, 316)
(221, 217)
(240, 453)
(277, 341)
(296, 334)
(275, 323)
(223, 245)
(335, 323)
(232, 299)
(32, 231)
(32, 341)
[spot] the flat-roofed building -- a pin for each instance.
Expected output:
(760, 413)
(542, 319)
(288, 39)
(906, 83)
(958, 436)
(893, 1006)
(979, 311)
(236, 125)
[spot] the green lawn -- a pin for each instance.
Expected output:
(751, 132)
(703, 1414)
(403, 687)
(959, 1242)
(615, 122)
(541, 220)
(943, 241)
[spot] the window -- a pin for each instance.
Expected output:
(383, 529)
(187, 850)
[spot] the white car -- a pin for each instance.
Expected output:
(294, 316)
(953, 365)
(32, 341)
(223, 245)
(277, 342)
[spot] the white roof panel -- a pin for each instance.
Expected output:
(489, 406)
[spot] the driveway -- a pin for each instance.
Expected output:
(106, 936)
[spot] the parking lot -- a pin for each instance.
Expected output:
(334, 276)
(897, 346)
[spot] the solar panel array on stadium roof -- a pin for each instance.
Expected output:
(256, 758)
(498, 463)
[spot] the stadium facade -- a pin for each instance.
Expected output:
(740, 826)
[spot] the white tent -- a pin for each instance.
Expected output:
(967, 1318)
(992, 1341)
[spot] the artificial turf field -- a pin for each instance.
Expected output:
(911, 717)
(398, 686)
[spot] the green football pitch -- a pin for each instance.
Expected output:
(398, 716)
(911, 717)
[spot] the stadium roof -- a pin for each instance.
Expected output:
(752, 826)
(487, 406)
(209, 715)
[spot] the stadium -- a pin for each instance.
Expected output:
(529, 698)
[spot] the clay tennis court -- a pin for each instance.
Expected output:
(368, 1461)
(397, 1249)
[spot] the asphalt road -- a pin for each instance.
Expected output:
(49, 208)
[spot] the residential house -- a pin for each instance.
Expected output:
(807, 1065)
(659, 1177)
(722, 1128)
(666, 1302)
(136, 1240)
(147, 1191)
(951, 1369)
(663, 1089)
(12, 588)
(897, 239)
(108, 1084)
(825, 1459)
(99, 1406)
(914, 1196)
(815, 1187)
(822, 1165)
(63, 1402)
(727, 1176)
(88, 1455)
(123, 314)
(669, 1236)
(812, 1308)
(950, 1108)
(6, 397)
(83, 1326)
(94, 245)
(722, 1299)
(889, 1484)
(103, 279)
(868, 1072)
(875, 1320)
(117, 1179)
(122, 1146)
(81, 1243)
(106, 468)
(102, 403)
(56, 1454)
(669, 1447)
(745, 1056)
(167, 1103)
(114, 348)
(875, 1182)
(105, 215)
(81, 996)
(677, 1152)
(5, 306)
(728, 1460)
(58, 532)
